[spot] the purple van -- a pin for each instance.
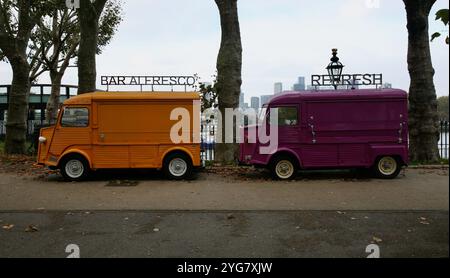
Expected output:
(334, 130)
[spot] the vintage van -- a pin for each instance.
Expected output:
(121, 130)
(334, 129)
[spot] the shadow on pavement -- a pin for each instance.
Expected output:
(125, 177)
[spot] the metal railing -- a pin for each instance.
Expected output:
(208, 141)
(443, 139)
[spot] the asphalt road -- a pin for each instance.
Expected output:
(224, 235)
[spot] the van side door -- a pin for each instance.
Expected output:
(318, 148)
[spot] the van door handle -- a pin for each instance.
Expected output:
(313, 133)
(400, 134)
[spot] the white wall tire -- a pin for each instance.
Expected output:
(387, 167)
(178, 166)
(284, 168)
(74, 168)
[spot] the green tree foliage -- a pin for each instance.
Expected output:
(441, 15)
(56, 39)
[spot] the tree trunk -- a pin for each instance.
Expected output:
(424, 122)
(53, 101)
(229, 80)
(89, 15)
(16, 126)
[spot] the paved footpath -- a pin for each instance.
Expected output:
(418, 190)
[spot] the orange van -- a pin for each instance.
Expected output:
(121, 131)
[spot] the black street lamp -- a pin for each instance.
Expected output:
(335, 69)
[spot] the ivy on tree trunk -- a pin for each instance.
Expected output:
(229, 68)
(424, 121)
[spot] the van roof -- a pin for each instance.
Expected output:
(88, 98)
(289, 97)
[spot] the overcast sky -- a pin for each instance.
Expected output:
(282, 39)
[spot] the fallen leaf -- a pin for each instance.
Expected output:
(155, 230)
(424, 223)
(31, 229)
(8, 227)
(341, 213)
(377, 239)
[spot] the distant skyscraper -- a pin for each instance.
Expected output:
(242, 100)
(255, 103)
(300, 86)
(278, 88)
(265, 99)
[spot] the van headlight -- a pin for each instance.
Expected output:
(42, 140)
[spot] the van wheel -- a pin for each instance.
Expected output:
(387, 167)
(178, 166)
(284, 168)
(74, 168)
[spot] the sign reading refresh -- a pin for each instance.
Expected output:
(348, 79)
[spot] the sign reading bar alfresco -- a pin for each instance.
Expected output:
(149, 80)
(348, 79)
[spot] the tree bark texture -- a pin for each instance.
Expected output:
(14, 48)
(229, 68)
(54, 99)
(89, 15)
(424, 121)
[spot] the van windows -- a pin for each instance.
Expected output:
(287, 116)
(75, 117)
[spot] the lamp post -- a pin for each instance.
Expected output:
(335, 69)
